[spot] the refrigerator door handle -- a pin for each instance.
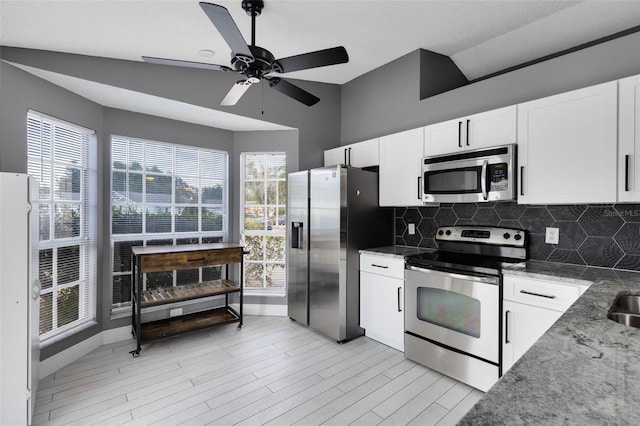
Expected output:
(297, 235)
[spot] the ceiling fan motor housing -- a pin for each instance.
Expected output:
(260, 66)
(253, 7)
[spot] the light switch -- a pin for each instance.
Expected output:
(412, 229)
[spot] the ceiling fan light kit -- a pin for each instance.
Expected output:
(256, 63)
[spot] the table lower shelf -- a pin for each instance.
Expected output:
(169, 327)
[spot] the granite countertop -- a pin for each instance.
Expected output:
(396, 251)
(584, 370)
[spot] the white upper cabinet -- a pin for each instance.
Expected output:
(567, 147)
(400, 168)
(629, 139)
(361, 154)
(486, 129)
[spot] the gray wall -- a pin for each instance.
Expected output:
(20, 92)
(387, 100)
(319, 125)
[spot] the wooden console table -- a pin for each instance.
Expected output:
(169, 258)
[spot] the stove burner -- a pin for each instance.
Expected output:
(479, 250)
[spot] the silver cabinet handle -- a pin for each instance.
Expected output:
(399, 298)
(537, 294)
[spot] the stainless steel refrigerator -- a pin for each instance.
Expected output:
(332, 213)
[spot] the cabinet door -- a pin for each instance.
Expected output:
(363, 154)
(400, 168)
(629, 139)
(567, 147)
(335, 156)
(382, 309)
(522, 326)
(443, 138)
(491, 128)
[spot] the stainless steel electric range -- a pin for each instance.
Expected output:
(453, 300)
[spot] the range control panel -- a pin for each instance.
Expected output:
(482, 234)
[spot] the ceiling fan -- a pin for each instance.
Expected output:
(256, 63)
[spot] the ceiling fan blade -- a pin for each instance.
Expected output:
(235, 93)
(186, 64)
(319, 58)
(224, 23)
(293, 91)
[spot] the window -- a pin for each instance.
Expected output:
(164, 194)
(263, 224)
(62, 157)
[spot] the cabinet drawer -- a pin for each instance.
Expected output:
(382, 265)
(546, 294)
(189, 259)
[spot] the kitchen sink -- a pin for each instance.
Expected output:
(626, 310)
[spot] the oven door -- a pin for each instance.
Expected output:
(473, 176)
(454, 310)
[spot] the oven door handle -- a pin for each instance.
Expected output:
(487, 280)
(484, 179)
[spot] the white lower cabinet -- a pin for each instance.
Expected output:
(530, 307)
(382, 299)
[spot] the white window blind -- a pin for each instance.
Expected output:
(263, 223)
(164, 194)
(62, 157)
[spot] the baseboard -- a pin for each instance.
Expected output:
(66, 357)
(260, 309)
(116, 335)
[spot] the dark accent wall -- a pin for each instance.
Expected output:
(387, 99)
(594, 235)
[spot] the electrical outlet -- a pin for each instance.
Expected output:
(175, 312)
(552, 236)
(412, 229)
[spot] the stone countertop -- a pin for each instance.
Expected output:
(395, 251)
(584, 370)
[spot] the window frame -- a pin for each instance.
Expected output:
(46, 164)
(199, 235)
(265, 290)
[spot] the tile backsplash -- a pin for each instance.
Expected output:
(594, 235)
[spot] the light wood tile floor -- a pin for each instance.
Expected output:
(273, 371)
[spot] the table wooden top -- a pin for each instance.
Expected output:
(140, 250)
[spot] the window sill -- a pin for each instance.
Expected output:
(59, 337)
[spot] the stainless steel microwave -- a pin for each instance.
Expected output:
(470, 176)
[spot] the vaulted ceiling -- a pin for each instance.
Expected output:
(481, 37)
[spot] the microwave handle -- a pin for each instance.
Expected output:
(419, 187)
(483, 181)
